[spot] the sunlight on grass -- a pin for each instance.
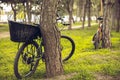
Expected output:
(86, 61)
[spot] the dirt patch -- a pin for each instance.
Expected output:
(106, 77)
(4, 34)
(62, 77)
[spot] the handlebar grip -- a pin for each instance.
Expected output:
(66, 24)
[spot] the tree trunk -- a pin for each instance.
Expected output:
(101, 7)
(77, 11)
(13, 5)
(70, 20)
(89, 13)
(28, 6)
(70, 11)
(51, 38)
(24, 13)
(117, 3)
(118, 25)
(80, 9)
(106, 43)
(84, 11)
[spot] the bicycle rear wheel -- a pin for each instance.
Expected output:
(26, 60)
(96, 40)
(68, 47)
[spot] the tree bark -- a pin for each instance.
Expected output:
(13, 5)
(117, 3)
(84, 11)
(89, 13)
(101, 7)
(68, 5)
(80, 8)
(28, 8)
(70, 20)
(106, 43)
(24, 13)
(51, 38)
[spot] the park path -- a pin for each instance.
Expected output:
(7, 34)
(4, 34)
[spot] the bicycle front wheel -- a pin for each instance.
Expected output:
(26, 60)
(68, 47)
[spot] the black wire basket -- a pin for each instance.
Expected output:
(20, 32)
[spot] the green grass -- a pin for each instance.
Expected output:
(86, 62)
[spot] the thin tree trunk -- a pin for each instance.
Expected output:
(13, 5)
(28, 6)
(70, 20)
(89, 13)
(117, 2)
(78, 11)
(81, 9)
(84, 11)
(118, 25)
(51, 38)
(70, 11)
(24, 13)
(101, 6)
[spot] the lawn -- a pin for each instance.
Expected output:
(85, 64)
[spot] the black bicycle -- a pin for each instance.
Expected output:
(32, 50)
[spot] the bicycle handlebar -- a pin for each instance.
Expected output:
(62, 20)
(66, 24)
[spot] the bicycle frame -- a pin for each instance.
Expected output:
(32, 50)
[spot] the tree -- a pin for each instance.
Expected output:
(28, 9)
(101, 7)
(13, 5)
(96, 9)
(106, 43)
(117, 13)
(84, 11)
(79, 9)
(68, 4)
(51, 38)
(89, 12)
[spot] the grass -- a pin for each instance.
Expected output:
(86, 62)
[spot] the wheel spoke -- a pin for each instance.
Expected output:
(26, 60)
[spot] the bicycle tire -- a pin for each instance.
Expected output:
(33, 65)
(96, 41)
(96, 45)
(72, 45)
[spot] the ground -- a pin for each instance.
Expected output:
(68, 76)
(106, 77)
(4, 34)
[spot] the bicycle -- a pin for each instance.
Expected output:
(32, 50)
(98, 35)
